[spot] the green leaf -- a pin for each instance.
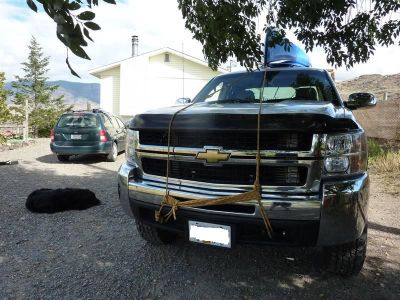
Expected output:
(58, 4)
(32, 5)
(74, 5)
(59, 19)
(86, 15)
(86, 33)
(63, 40)
(78, 51)
(72, 70)
(62, 28)
(92, 25)
(110, 1)
(48, 9)
(77, 36)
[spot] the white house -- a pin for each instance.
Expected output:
(151, 80)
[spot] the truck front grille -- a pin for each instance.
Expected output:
(228, 173)
(238, 139)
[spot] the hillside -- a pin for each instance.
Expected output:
(382, 121)
(79, 94)
(76, 93)
(375, 84)
(89, 91)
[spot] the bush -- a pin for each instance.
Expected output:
(374, 149)
(3, 139)
(43, 120)
(388, 162)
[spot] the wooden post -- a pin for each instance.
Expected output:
(26, 122)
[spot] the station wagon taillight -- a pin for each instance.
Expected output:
(103, 137)
(52, 135)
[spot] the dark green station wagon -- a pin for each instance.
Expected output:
(88, 132)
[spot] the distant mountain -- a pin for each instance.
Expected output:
(76, 93)
(374, 83)
(78, 90)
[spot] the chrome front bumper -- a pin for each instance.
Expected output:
(341, 207)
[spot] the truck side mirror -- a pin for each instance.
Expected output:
(359, 100)
(181, 101)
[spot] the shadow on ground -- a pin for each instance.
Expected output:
(388, 229)
(97, 253)
(74, 159)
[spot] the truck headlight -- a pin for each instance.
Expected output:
(345, 153)
(132, 140)
(336, 164)
(339, 144)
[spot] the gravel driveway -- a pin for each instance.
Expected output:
(98, 254)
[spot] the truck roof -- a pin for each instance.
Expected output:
(277, 69)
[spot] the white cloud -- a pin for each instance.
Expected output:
(158, 23)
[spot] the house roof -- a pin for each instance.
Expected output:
(150, 54)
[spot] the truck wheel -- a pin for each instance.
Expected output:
(112, 156)
(153, 235)
(63, 157)
(347, 259)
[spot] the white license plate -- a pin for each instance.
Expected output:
(210, 234)
(76, 136)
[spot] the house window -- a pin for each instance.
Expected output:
(166, 57)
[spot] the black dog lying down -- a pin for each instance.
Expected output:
(52, 201)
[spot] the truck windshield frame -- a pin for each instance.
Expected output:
(280, 85)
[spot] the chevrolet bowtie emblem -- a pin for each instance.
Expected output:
(213, 155)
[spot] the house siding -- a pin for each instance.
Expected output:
(111, 81)
(179, 68)
(146, 82)
(135, 86)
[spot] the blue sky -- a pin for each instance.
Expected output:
(158, 23)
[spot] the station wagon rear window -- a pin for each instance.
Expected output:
(78, 120)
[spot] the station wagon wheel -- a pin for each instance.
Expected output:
(112, 156)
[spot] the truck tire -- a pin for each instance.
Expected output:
(154, 235)
(347, 259)
(112, 156)
(62, 157)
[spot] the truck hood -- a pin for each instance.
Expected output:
(286, 115)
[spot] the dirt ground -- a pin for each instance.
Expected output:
(98, 254)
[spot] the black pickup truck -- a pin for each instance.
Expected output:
(313, 172)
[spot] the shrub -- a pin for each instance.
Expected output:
(3, 139)
(374, 149)
(388, 162)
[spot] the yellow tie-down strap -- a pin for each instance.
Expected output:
(174, 204)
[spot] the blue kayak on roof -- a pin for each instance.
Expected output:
(278, 56)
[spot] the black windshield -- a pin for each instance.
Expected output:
(280, 85)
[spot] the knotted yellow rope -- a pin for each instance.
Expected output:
(254, 194)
